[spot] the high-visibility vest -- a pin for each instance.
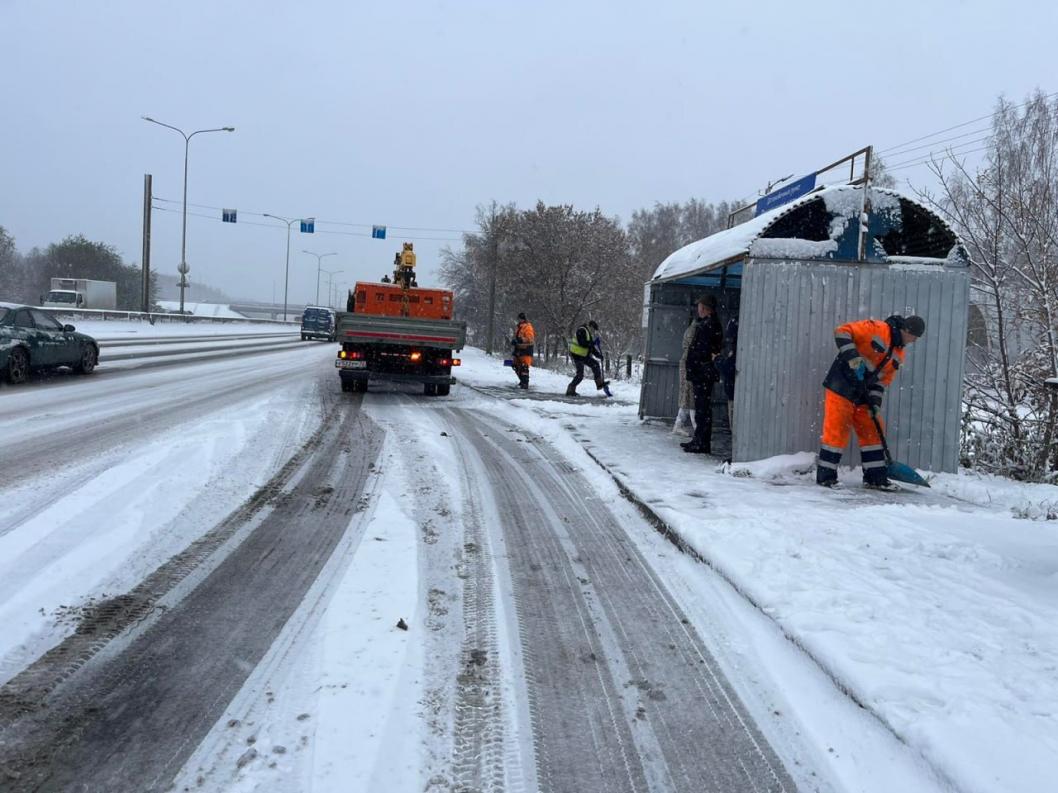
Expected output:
(576, 349)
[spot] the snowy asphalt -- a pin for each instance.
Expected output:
(625, 694)
(614, 688)
(130, 721)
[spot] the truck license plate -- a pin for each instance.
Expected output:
(350, 364)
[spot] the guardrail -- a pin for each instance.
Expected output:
(189, 319)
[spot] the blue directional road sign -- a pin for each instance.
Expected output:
(228, 215)
(308, 226)
(378, 232)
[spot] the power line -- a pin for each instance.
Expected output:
(944, 150)
(318, 231)
(986, 130)
(960, 126)
(930, 159)
(328, 222)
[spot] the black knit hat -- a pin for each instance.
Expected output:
(915, 325)
(709, 301)
(593, 324)
(521, 315)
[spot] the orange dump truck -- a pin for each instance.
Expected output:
(399, 333)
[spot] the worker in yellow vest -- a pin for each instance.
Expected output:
(584, 350)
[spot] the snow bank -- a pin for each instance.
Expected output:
(202, 309)
(107, 330)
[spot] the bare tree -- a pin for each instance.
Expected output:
(1007, 214)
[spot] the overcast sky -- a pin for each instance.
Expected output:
(413, 113)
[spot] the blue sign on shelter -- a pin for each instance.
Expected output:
(785, 195)
(378, 232)
(308, 226)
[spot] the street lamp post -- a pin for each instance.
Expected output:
(319, 258)
(335, 299)
(330, 282)
(183, 269)
(286, 272)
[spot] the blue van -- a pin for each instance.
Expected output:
(318, 323)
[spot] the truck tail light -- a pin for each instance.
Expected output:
(352, 355)
(457, 362)
(415, 357)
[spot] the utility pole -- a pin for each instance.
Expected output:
(865, 206)
(146, 257)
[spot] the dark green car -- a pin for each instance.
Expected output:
(33, 339)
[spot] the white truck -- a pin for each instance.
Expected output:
(81, 293)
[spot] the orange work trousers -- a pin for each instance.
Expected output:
(839, 416)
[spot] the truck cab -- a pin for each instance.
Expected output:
(63, 298)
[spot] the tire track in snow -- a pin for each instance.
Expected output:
(128, 719)
(677, 723)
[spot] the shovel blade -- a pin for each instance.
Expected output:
(905, 473)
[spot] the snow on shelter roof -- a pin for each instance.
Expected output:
(735, 243)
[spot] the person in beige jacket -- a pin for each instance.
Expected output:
(685, 417)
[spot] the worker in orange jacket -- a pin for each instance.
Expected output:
(870, 352)
(522, 349)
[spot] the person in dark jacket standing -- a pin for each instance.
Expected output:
(701, 373)
(584, 350)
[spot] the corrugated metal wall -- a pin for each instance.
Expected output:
(788, 314)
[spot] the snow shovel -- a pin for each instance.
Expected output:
(901, 472)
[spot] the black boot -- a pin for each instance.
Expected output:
(827, 477)
(877, 479)
(571, 391)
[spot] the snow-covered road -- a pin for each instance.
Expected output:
(105, 477)
(202, 566)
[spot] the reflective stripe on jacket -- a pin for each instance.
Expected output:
(871, 340)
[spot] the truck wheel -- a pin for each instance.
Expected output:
(87, 362)
(430, 389)
(442, 390)
(304, 337)
(348, 385)
(360, 386)
(17, 366)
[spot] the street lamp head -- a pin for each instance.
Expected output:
(147, 118)
(228, 129)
